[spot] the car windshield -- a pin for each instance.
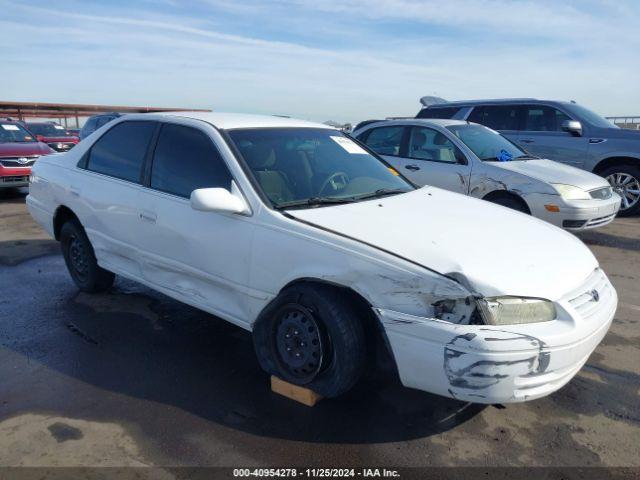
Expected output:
(487, 144)
(305, 167)
(47, 129)
(591, 117)
(13, 132)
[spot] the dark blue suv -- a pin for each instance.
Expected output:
(561, 131)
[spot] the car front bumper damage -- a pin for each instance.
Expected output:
(502, 364)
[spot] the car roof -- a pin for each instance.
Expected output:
(438, 122)
(225, 120)
(492, 101)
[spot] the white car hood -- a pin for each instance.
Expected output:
(491, 249)
(554, 172)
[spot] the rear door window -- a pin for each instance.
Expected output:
(121, 151)
(496, 117)
(186, 159)
(541, 118)
(385, 140)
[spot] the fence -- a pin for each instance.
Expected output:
(631, 122)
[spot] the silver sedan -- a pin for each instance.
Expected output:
(474, 160)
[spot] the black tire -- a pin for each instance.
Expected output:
(342, 347)
(622, 172)
(510, 201)
(81, 260)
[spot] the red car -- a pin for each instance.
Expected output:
(18, 152)
(54, 135)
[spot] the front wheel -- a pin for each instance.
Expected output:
(625, 180)
(311, 335)
(510, 201)
(81, 260)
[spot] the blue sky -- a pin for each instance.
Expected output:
(344, 60)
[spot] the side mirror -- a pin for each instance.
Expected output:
(40, 138)
(217, 200)
(572, 126)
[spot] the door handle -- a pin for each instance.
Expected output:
(526, 140)
(412, 167)
(148, 217)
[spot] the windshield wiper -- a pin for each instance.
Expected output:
(314, 201)
(381, 192)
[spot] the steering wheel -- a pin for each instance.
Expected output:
(338, 181)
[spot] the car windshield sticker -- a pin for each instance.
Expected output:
(10, 127)
(349, 145)
(504, 156)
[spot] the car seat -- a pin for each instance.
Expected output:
(262, 160)
(444, 151)
(418, 141)
(295, 165)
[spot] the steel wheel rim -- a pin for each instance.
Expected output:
(627, 186)
(298, 343)
(78, 257)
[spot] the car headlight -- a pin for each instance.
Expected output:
(569, 192)
(515, 310)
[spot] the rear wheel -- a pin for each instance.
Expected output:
(311, 335)
(625, 180)
(81, 260)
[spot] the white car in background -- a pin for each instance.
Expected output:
(474, 160)
(294, 231)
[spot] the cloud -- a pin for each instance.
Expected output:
(327, 60)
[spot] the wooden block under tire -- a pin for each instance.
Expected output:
(295, 392)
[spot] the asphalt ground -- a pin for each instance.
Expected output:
(134, 378)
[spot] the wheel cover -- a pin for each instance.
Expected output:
(78, 257)
(627, 186)
(299, 343)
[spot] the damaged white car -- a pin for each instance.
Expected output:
(474, 160)
(296, 232)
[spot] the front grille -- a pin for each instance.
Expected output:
(603, 193)
(15, 179)
(13, 161)
(593, 296)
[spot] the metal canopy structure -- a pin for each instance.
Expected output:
(64, 111)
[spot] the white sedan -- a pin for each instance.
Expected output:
(295, 232)
(474, 160)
